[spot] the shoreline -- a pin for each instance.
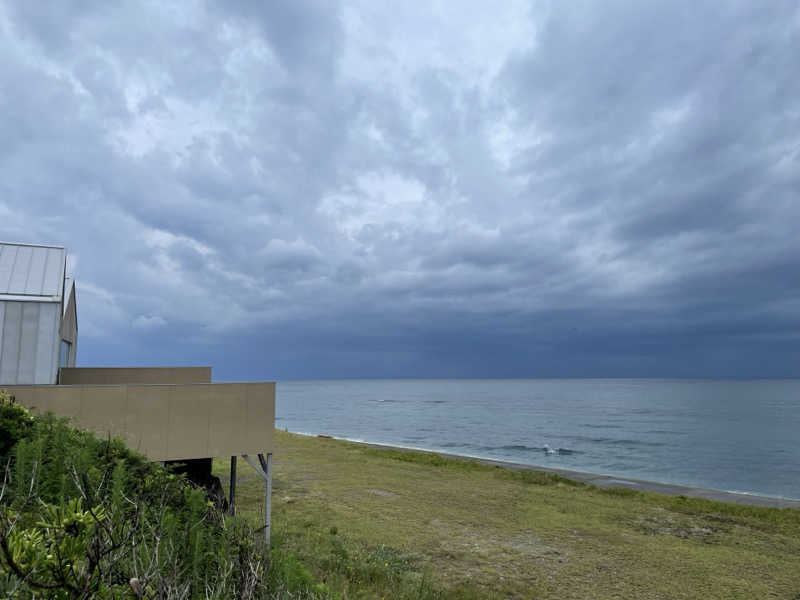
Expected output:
(597, 479)
(475, 531)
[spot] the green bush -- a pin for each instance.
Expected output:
(82, 517)
(16, 423)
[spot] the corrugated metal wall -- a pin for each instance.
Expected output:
(29, 342)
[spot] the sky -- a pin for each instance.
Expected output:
(298, 190)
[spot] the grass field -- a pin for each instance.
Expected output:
(369, 523)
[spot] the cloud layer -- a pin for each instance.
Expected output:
(311, 189)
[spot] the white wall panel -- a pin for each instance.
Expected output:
(9, 353)
(26, 370)
(2, 319)
(46, 369)
(29, 342)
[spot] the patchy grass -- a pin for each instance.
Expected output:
(372, 523)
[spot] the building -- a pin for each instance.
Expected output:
(170, 414)
(38, 317)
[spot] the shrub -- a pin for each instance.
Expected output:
(82, 517)
(16, 423)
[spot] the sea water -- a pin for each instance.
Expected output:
(741, 436)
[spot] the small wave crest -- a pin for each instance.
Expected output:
(523, 448)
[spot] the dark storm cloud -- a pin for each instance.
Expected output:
(314, 189)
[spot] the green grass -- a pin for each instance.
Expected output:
(372, 523)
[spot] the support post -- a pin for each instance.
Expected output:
(265, 470)
(266, 465)
(232, 496)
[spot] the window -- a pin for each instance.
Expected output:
(63, 357)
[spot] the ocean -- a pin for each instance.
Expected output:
(739, 436)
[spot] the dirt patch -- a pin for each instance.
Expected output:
(665, 524)
(384, 493)
(466, 552)
(528, 544)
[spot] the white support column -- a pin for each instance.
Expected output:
(265, 470)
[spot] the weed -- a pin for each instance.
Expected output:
(620, 492)
(538, 477)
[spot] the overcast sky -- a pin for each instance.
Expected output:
(439, 189)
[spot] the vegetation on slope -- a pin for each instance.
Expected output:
(82, 517)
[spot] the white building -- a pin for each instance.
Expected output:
(38, 318)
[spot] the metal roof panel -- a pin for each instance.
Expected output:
(28, 270)
(54, 272)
